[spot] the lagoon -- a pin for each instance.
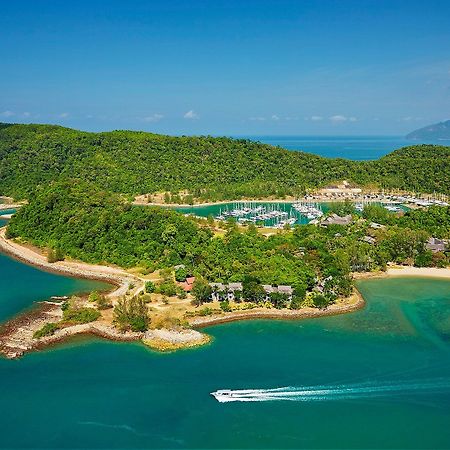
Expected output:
(91, 393)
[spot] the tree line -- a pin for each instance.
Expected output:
(79, 220)
(210, 168)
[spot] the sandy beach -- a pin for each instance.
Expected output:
(405, 271)
(118, 277)
(429, 272)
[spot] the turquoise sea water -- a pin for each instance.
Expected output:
(393, 356)
(349, 147)
(21, 285)
(2, 213)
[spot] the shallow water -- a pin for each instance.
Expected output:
(92, 393)
(22, 285)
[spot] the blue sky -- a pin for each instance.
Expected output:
(227, 67)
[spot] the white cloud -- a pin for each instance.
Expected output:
(338, 118)
(257, 119)
(191, 114)
(156, 117)
(26, 114)
(316, 118)
(275, 117)
(290, 118)
(7, 114)
(64, 115)
(410, 119)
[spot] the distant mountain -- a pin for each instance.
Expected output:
(436, 131)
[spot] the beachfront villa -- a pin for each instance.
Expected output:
(436, 245)
(281, 289)
(229, 291)
(320, 283)
(222, 291)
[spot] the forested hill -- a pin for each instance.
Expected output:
(215, 168)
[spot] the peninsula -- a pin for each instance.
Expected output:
(84, 215)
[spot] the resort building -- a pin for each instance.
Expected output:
(334, 219)
(287, 290)
(268, 289)
(376, 226)
(282, 289)
(232, 288)
(218, 290)
(340, 190)
(187, 284)
(229, 291)
(320, 283)
(222, 291)
(369, 239)
(435, 245)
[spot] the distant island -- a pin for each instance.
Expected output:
(437, 131)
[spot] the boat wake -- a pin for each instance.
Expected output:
(331, 392)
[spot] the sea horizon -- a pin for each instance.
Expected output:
(353, 147)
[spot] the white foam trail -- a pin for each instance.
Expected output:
(337, 392)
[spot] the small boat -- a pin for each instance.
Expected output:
(392, 208)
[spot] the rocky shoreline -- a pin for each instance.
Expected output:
(16, 335)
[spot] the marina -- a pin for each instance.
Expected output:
(276, 214)
(311, 208)
(272, 215)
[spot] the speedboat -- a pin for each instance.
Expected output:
(224, 395)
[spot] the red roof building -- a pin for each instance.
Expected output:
(187, 284)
